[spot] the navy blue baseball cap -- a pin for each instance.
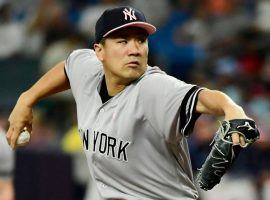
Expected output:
(120, 17)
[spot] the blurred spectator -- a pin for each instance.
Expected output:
(263, 14)
(71, 141)
(251, 57)
(11, 32)
(220, 7)
(71, 144)
(232, 188)
(60, 49)
(173, 48)
(200, 140)
(49, 23)
(51, 18)
(226, 74)
(90, 14)
(6, 166)
(43, 135)
(265, 72)
(151, 8)
(197, 27)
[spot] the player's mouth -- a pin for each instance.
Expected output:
(133, 64)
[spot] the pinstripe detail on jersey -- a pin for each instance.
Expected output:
(188, 115)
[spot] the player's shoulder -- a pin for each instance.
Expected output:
(156, 83)
(83, 54)
(84, 60)
(82, 51)
(155, 77)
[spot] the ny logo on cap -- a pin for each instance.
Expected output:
(130, 13)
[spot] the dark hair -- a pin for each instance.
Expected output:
(102, 41)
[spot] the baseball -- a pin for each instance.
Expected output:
(23, 138)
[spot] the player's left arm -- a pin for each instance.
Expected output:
(219, 104)
(236, 129)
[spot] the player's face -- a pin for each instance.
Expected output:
(124, 54)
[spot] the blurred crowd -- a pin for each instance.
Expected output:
(220, 44)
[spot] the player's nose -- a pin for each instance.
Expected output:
(134, 48)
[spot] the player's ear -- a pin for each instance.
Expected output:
(99, 51)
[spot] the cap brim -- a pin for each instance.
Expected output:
(146, 26)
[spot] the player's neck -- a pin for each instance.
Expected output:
(114, 86)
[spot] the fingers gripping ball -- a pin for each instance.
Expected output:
(223, 153)
(23, 138)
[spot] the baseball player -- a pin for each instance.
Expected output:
(133, 119)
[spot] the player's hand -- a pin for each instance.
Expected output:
(20, 117)
(238, 139)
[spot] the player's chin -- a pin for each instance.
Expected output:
(135, 70)
(134, 74)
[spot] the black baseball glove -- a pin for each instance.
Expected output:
(223, 153)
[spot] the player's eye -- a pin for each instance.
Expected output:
(142, 40)
(122, 41)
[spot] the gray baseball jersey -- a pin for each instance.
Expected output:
(135, 142)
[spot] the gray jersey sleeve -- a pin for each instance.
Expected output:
(80, 65)
(169, 105)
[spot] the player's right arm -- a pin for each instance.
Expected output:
(54, 81)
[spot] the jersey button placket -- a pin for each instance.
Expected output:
(101, 110)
